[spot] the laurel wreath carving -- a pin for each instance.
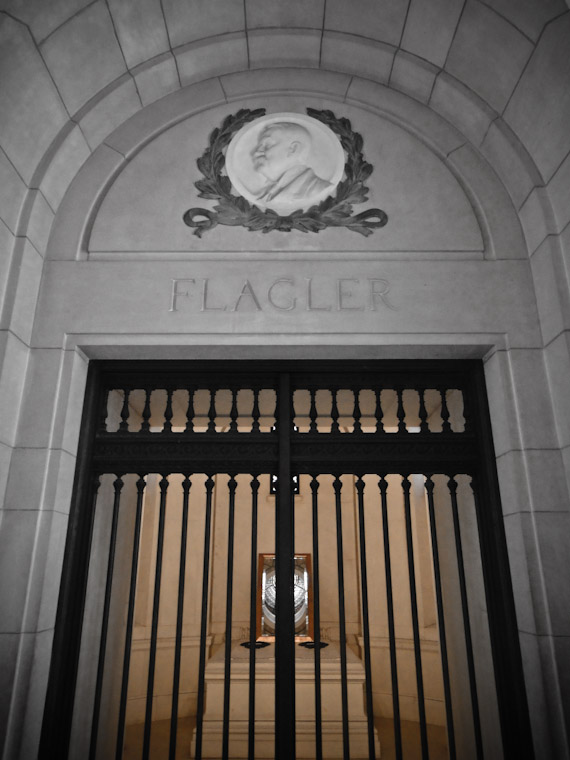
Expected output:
(236, 211)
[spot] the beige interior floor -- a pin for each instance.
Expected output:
(160, 737)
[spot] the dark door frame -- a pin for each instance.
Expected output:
(438, 453)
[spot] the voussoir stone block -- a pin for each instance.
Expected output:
(208, 58)
(284, 47)
(462, 107)
(488, 54)
(194, 19)
(12, 193)
(430, 27)
(289, 80)
(539, 110)
(117, 103)
(529, 16)
(353, 55)
(66, 162)
(44, 17)
(368, 18)
(295, 13)
(412, 75)
(536, 218)
(156, 78)
(36, 220)
(559, 194)
(157, 117)
(84, 56)
(417, 118)
(140, 28)
(32, 111)
(510, 160)
(505, 237)
(7, 240)
(66, 239)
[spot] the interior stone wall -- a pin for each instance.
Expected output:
(483, 86)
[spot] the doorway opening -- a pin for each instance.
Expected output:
(289, 560)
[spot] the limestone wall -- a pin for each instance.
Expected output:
(483, 90)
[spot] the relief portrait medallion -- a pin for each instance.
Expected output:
(285, 162)
(284, 172)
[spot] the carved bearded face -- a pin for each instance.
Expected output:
(279, 148)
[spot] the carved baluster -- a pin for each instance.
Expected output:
(255, 411)
(444, 411)
(212, 412)
(168, 412)
(234, 412)
(125, 411)
(356, 414)
(145, 425)
(313, 412)
(401, 413)
(424, 427)
(378, 413)
(335, 427)
(190, 410)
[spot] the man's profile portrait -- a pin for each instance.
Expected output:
(285, 162)
(282, 155)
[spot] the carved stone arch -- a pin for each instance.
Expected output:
(487, 196)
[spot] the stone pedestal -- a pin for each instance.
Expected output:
(265, 704)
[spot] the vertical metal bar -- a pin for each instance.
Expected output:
(186, 485)
(406, 485)
(383, 485)
(284, 573)
(317, 623)
(365, 619)
(341, 619)
(232, 484)
(252, 619)
(141, 483)
(452, 485)
(429, 485)
(154, 627)
(118, 487)
(204, 617)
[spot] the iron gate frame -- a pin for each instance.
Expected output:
(285, 455)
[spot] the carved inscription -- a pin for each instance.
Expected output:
(206, 294)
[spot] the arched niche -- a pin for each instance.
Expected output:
(441, 196)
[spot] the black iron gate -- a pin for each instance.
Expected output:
(403, 450)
